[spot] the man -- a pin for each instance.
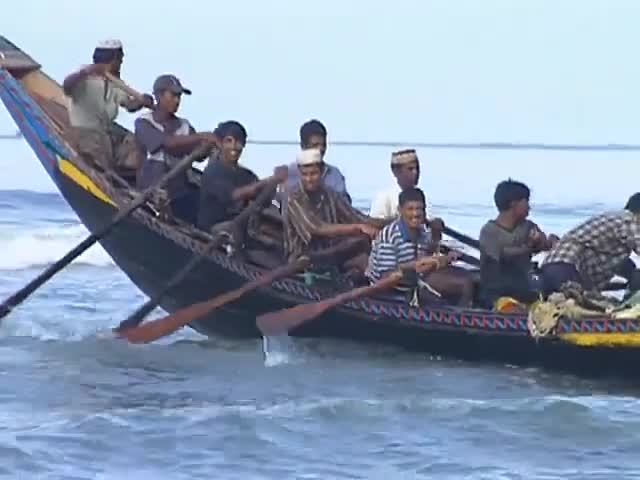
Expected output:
(405, 167)
(406, 244)
(313, 135)
(315, 215)
(596, 250)
(94, 104)
(226, 186)
(507, 245)
(164, 139)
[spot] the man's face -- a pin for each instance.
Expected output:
(407, 174)
(231, 149)
(318, 142)
(116, 65)
(412, 214)
(311, 177)
(169, 101)
(521, 209)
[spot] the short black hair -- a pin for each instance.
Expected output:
(509, 191)
(106, 55)
(231, 128)
(633, 204)
(312, 127)
(411, 195)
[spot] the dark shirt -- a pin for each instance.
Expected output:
(306, 212)
(500, 275)
(150, 140)
(216, 190)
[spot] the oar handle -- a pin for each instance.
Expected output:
(118, 82)
(381, 285)
(461, 237)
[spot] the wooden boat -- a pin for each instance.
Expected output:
(150, 249)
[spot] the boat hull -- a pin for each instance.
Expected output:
(150, 253)
(149, 260)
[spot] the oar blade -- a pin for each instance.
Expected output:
(277, 323)
(153, 330)
(161, 327)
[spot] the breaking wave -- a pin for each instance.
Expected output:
(39, 245)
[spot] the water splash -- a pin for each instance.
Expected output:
(278, 350)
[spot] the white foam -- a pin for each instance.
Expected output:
(38, 245)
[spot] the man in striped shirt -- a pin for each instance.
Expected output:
(406, 244)
(316, 215)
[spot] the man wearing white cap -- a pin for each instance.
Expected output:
(315, 214)
(405, 167)
(313, 134)
(94, 104)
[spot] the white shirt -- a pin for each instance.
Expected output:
(385, 203)
(95, 103)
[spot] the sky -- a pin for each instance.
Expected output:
(450, 70)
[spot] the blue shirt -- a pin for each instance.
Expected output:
(393, 246)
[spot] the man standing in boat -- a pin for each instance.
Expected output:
(164, 139)
(406, 244)
(94, 104)
(596, 250)
(313, 135)
(316, 215)
(226, 186)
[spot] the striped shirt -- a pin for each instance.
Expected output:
(598, 246)
(393, 247)
(306, 212)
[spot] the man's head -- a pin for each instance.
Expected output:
(411, 205)
(168, 91)
(513, 197)
(109, 52)
(233, 137)
(310, 165)
(633, 204)
(313, 134)
(406, 168)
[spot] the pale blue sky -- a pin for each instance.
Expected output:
(474, 70)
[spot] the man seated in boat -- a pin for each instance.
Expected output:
(507, 244)
(94, 104)
(316, 215)
(596, 250)
(407, 244)
(313, 135)
(164, 139)
(226, 186)
(405, 167)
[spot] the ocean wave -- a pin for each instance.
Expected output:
(33, 246)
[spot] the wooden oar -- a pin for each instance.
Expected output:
(118, 82)
(277, 323)
(22, 294)
(462, 238)
(166, 325)
(139, 315)
(161, 327)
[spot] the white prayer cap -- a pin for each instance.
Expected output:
(110, 44)
(309, 156)
(402, 157)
